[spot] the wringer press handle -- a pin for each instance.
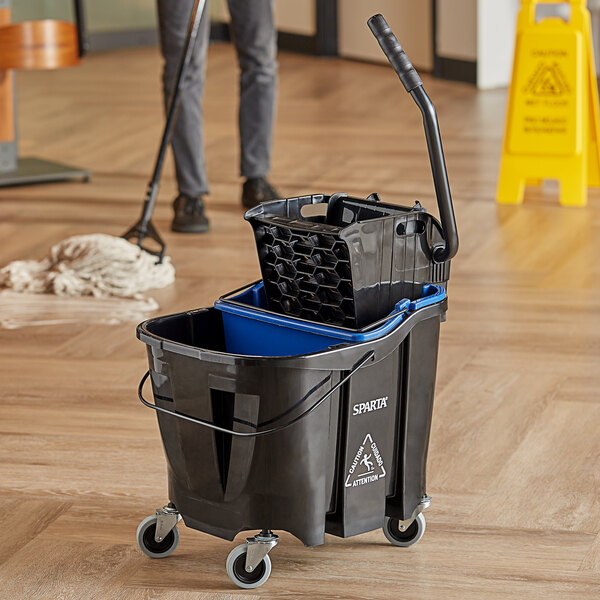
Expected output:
(414, 86)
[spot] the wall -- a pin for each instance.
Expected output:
(291, 16)
(456, 29)
(119, 15)
(25, 10)
(409, 19)
(110, 21)
(101, 15)
(481, 32)
(297, 16)
(496, 27)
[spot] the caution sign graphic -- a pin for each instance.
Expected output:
(367, 466)
(547, 80)
(552, 123)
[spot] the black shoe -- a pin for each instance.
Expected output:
(189, 215)
(257, 190)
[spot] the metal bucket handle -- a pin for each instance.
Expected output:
(366, 358)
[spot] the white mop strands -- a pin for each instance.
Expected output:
(108, 268)
(97, 265)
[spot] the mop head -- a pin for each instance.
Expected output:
(96, 265)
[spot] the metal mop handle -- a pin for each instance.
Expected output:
(144, 226)
(82, 41)
(194, 26)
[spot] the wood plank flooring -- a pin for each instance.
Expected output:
(514, 463)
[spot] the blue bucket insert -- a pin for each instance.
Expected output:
(252, 330)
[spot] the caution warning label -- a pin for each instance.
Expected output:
(367, 465)
(547, 80)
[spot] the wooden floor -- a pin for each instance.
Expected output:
(514, 467)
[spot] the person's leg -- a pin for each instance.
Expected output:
(187, 139)
(255, 38)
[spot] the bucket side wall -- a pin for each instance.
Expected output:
(223, 484)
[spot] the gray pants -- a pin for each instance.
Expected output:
(255, 38)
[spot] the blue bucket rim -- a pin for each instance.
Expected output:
(228, 304)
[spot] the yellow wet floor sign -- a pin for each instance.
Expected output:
(552, 123)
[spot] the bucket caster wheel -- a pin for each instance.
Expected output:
(161, 543)
(236, 569)
(249, 565)
(399, 535)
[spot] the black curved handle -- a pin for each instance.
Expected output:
(414, 86)
(366, 358)
(394, 52)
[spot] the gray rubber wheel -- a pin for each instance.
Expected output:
(149, 546)
(236, 569)
(410, 536)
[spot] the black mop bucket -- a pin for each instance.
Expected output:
(328, 441)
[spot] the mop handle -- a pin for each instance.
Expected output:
(186, 58)
(82, 41)
(366, 358)
(414, 86)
